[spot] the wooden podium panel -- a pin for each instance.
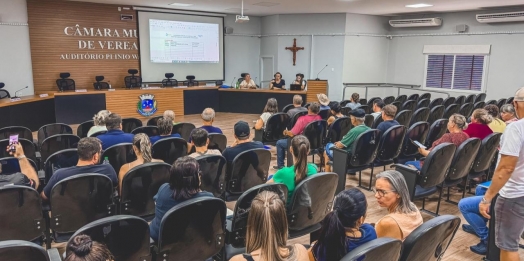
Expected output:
(315, 87)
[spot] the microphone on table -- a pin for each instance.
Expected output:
(18, 91)
(320, 72)
(231, 85)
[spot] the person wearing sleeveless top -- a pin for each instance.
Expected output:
(200, 140)
(335, 113)
(267, 232)
(392, 193)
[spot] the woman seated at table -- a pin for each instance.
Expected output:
(479, 126)
(270, 109)
(300, 80)
(278, 83)
(248, 83)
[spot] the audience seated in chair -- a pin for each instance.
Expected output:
(469, 207)
(298, 129)
(89, 153)
(357, 119)
(99, 121)
(343, 229)
(292, 175)
(378, 105)
(208, 117)
(456, 126)
(335, 113)
(82, 248)
(267, 232)
(297, 103)
(200, 140)
(388, 115)
(114, 134)
(355, 101)
(496, 125)
(27, 174)
(391, 192)
(171, 115)
(242, 142)
(270, 109)
(184, 184)
(508, 114)
(479, 126)
(142, 150)
(323, 100)
(165, 126)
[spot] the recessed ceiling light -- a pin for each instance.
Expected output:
(180, 4)
(419, 5)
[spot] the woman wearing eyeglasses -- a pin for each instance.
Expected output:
(392, 193)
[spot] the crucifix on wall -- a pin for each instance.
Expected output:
(294, 49)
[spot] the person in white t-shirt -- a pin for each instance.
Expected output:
(270, 109)
(508, 181)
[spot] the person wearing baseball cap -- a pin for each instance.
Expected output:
(324, 101)
(357, 119)
(242, 142)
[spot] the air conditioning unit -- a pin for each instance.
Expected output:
(501, 17)
(416, 22)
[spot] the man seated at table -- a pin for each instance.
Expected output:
(298, 129)
(378, 104)
(248, 83)
(242, 142)
(165, 126)
(208, 117)
(278, 83)
(297, 103)
(388, 115)
(89, 152)
(114, 134)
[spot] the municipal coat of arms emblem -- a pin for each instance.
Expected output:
(147, 105)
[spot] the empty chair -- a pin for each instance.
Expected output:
(470, 98)
(398, 105)
(150, 131)
(485, 155)
(52, 129)
(4, 93)
(430, 240)
(413, 97)
(404, 117)
(184, 129)
(389, 100)
(425, 95)
(190, 81)
(19, 250)
(494, 102)
(213, 177)
(129, 124)
(450, 110)
(83, 128)
(466, 109)
(169, 81)
(64, 83)
(28, 146)
(369, 119)
(383, 249)
(417, 132)
(436, 130)
(133, 81)
(99, 84)
(274, 130)
(501, 102)
(153, 121)
(217, 141)
(139, 185)
(480, 97)
(58, 160)
(169, 149)
(448, 101)
(57, 143)
(478, 105)
(288, 107)
(423, 103)
(436, 102)
(118, 155)
(250, 168)
(460, 100)
(193, 230)
(421, 114)
(389, 148)
(371, 101)
(126, 237)
(401, 98)
(435, 114)
(23, 132)
(338, 129)
(366, 108)
(409, 105)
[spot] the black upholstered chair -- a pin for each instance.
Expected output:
(126, 237)
(213, 177)
(414, 97)
(139, 186)
(383, 249)
(129, 124)
(430, 240)
(419, 115)
(437, 129)
(466, 109)
(11, 165)
(295, 117)
(192, 230)
(19, 250)
(58, 160)
(4, 93)
(510, 100)
(184, 129)
(435, 114)
(425, 95)
(133, 81)
(170, 149)
(448, 101)
(436, 102)
(338, 129)
(52, 129)
(250, 168)
(57, 143)
(28, 146)
(150, 131)
(366, 108)
(389, 148)
(217, 141)
(363, 101)
(274, 130)
(404, 117)
(486, 153)
(315, 132)
(389, 100)
(169, 81)
(84, 128)
(190, 81)
(344, 103)
(460, 100)
(153, 121)
(409, 105)
(99, 84)
(417, 132)
(450, 110)
(470, 99)
(118, 155)
(288, 107)
(480, 97)
(494, 102)
(324, 114)
(368, 120)
(398, 105)
(64, 83)
(401, 98)
(423, 103)
(23, 132)
(377, 121)
(371, 101)
(501, 102)
(345, 111)
(478, 105)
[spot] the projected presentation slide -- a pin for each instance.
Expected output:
(183, 42)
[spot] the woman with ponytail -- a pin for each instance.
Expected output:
(343, 229)
(291, 176)
(267, 232)
(82, 248)
(142, 150)
(184, 184)
(479, 126)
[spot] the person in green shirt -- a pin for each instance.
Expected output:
(291, 176)
(357, 120)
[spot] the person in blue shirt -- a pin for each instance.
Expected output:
(242, 142)
(165, 126)
(343, 229)
(324, 101)
(114, 134)
(208, 117)
(354, 101)
(184, 184)
(388, 115)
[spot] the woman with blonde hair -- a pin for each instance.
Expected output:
(99, 121)
(479, 126)
(267, 232)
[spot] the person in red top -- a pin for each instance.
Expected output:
(456, 125)
(478, 128)
(300, 125)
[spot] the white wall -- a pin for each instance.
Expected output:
(15, 69)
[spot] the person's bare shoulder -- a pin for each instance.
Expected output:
(156, 160)
(237, 258)
(302, 254)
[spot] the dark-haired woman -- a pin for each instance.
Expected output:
(496, 125)
(291, 176)
(343, 229)
(335, 112)
(83, 248)
(184, 184)
(270, 109)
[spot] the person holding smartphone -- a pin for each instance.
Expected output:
(29, 178)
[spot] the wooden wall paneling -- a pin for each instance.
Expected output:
(47, 20)
(124, 102)
(315, 87)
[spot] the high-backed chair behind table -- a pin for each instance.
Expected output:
(169, 149)
(383, 249)
(99, 84)
(118, 155)
(169, 81)
(184, 129)
(19, 250)
(250, 168)
(52, 129)
(22, 132)
(133, 81)
(4, 93)
(57, 143)
(338, 129)
(437, 130)
(64, 83)
(213, 177)
(436, 102)
(150, 131)
(58, 160)
(435, 114)
(126, 237)
(420, 115)
(139, 186)
(190, 81)
(417, 132)
(217, 141)
(274, 130)
(404, 117)
(129, 124)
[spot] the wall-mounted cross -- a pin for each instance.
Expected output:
(294, 49)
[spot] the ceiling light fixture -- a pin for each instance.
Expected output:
(419, 5)
(181, 4)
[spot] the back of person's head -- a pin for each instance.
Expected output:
(169, 114)
(199, 137)
(184, 178)
(297, 100)
(355, 97)
(482, 116)
(83, 248)
(208, 115)
(399, 186)
(335, 106)
(390, 111)
(314, 107)
(459, 121)
(300, 148)
(349, 211)
(113, 121)
(165, 126)
(271, 106)
(143, 145)
(492, 110)
(100, 118)
(267, 227)
(379, 103)
(88, 147)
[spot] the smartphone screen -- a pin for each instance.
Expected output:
(13, 139)
(418, 144)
